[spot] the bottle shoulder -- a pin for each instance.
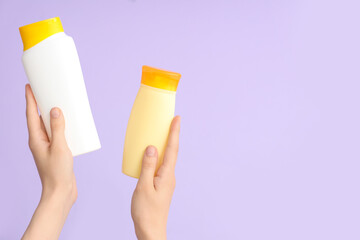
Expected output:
(53, 39)
(146, 88)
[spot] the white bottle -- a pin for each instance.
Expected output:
(53, 68)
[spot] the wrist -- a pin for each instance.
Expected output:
(60, 194)
(50, 214)
(150, 234)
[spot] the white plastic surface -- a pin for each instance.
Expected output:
(54, 72)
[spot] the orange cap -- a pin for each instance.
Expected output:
(34, 33)
(158, 78)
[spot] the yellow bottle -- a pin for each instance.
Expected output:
(150, 118)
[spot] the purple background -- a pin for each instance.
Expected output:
(269, 101)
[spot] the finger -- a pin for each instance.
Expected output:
(43, 129)
(32, 115)
(172, 147)
(164, 179)
(57, 123)
(148, 167)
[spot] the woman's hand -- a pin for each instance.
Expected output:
(152, 197)
(54, 162)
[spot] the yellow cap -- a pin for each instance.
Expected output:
(34, 33)
(158, 78)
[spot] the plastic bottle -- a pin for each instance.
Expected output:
(150, 118)
(53, 68)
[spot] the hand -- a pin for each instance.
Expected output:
(54, 163)
(152, 197)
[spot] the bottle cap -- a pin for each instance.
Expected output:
(34, 33)
(158, 78)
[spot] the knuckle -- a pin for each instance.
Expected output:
(58, 148)
(141, 188)
(170, 183)
(148, 163)
(57, 123)
(31, 144)
(56, 127)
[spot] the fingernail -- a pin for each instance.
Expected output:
(150, 151)
(55, 113)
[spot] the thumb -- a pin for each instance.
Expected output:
(57, 123)
(148, 166)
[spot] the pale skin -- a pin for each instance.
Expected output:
(151, 199)
(54, 163)
(152, 196)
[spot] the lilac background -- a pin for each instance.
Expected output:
(269, 101)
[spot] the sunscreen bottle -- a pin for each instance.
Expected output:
(53, 68)
(150, 118)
